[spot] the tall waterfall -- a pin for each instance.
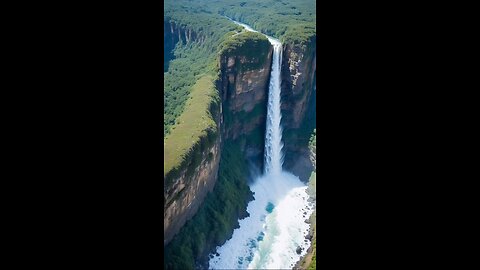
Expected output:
(273, 137)
(273, 236)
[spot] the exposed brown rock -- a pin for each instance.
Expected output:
(185, 196)
(298, 70)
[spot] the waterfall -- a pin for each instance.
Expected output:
(274, 234)
(273, 137)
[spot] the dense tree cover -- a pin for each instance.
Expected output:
(247, 44)
(193, 59)
(292, 21)
(216, 217)
(191, 62)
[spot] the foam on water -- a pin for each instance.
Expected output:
(269, 240)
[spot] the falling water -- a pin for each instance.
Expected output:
(273, 137)
(276, 228)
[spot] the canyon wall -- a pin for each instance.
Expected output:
(172, 34)
(183, 199)
(298, 105)
(244, 81)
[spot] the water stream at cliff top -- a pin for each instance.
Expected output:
(270, 236)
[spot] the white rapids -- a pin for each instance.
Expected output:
(270, 236)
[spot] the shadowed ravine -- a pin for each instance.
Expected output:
(273, 236)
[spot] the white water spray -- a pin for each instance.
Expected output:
(270, 236)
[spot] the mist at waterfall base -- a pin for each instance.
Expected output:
(269, 237)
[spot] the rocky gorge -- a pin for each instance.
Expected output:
(240, 116)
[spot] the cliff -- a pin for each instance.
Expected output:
(185, 195)
(172, 34)
(238, 113)
(245, 74)
(191, 157)
(192, 149)
(298, 71)
(298, 105)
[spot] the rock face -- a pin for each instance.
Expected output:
(245, 89)
(172, 34)
(298, 71)
(244, 95)
(298, 105)
(188, 190)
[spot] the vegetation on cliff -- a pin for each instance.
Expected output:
(218, 215)
(193, 59)
(190, 95)
(192, 125)
(248, 44)
(186, 127)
